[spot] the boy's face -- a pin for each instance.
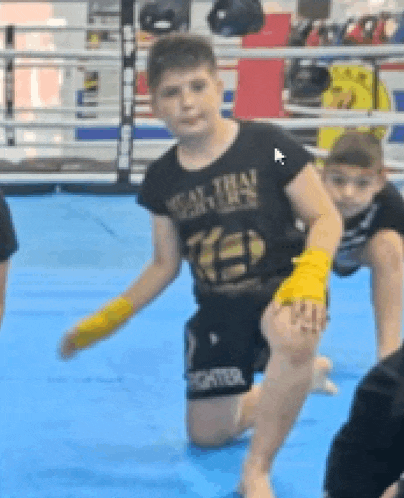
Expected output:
(352, 188)
(188, 101)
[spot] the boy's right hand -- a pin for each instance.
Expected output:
(68, 348)
(96, 327)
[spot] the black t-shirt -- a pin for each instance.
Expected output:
(8, 241)
(235, 222)
(366, 455)
(385, 212)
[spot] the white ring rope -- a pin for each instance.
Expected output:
(62, 110)
(387, 50)
(67, 65)
(52, 177)
(99, 28)
(56, 29)
(302, 123)
(361, 52)
(110, 55)
(323, 111)
(294, 124)
(138, 143)
(150, 144)
(86, 109)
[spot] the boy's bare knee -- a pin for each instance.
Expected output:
(209, 440)
(213, 422)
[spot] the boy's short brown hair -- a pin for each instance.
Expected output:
(356, 148)
(178, 51)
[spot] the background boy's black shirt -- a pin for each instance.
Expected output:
(8, 241)
(385, 212)
(236, 224)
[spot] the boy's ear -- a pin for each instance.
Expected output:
(382, 178)
(153, 105)
(319, 166)
(219, 84)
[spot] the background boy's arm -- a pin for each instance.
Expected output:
(4, 266)
(384, 254)
(159, 273)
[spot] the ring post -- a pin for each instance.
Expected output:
(9, 85)
(127, 96)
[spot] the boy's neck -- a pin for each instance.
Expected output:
(197, 153)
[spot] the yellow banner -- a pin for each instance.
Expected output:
(351, 88)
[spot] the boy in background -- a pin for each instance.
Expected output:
(366, 457)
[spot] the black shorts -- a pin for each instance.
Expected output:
(222, 341)
(367, 456)
(224, 346)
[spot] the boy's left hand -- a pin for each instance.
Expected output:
(301, 320)
(309, 317)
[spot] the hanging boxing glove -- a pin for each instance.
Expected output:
(164, 16)
(345, 30)
(308, 80)
(313, 40)
(236, 17)
(354, 36)
(370, 23)
(379, 34)
(299, 33)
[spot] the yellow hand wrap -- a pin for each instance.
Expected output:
(308, 279)
(102, 323)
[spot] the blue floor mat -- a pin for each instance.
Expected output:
(110, 423)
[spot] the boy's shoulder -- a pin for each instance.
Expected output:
(267, 136)
(263, 128)
(391, 209)
(162, 170)
(3, 202)
(159, 164)
(390, 195)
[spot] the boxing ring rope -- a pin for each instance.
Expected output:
(362, 52)
(26, 28)
(63, 110)
(337, 112)
(224, 51)
(291, 124)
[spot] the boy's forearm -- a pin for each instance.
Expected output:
(325, 233)
(312, 267)
(148, 286)
(387, 293)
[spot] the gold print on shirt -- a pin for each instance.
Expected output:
(230, 192)
(210, 253)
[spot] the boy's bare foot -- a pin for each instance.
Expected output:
(321, 383)
(255, 482)
(255, 488)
